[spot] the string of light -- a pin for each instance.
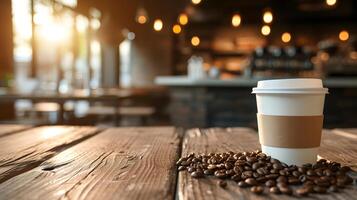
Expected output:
(236, 21)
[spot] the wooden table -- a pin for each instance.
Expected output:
(111, 96)
(66, 162)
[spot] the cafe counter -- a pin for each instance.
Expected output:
(214, 102)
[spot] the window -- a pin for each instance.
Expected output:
(60, 43)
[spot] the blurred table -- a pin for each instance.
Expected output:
(112, 96)
(67, 162)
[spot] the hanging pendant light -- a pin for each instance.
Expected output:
(141, 16)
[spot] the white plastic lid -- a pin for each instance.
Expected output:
(292, 86)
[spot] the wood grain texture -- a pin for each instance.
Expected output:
(25, 150)
(7, 129)
(340, 145)
(121, 163)
(241, 139)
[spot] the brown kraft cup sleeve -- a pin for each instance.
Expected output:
(290, 131)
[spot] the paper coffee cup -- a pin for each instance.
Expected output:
(290, 118)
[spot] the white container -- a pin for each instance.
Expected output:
(291, 97)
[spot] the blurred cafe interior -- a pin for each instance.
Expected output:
(187, 63)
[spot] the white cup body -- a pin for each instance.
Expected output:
(291, 103)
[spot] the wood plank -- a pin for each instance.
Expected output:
(339, 145)
(235, 139)
(7, 129)
(28, 149)
(121, 163)
(347, 131)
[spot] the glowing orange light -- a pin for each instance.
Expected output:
(265, 30)
(286, 37)
(195, 41)
(236, 20)
(344, 35)
(183, 19)
(176, 29)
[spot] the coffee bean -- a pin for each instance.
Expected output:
(262, 171)
(242, 184)
(333, 188)
(282, 179)
(238, 169)
(310, 172)
(281, 184)
(327, 172)
(211, 166)
(302, 170)
(309, 183)
(257, 189)
(274, 171)
(261, 179)
(222, 184)
(230, 172)
(274, 190)
(256, 169)
(251, 181)
(220, 174)
(196, 174)
(303, 178)
(277, 166)
(247, 174)
(240, 163)
(307, 166)
(191, 169)
(270, 183)
(303, 191)
(293, 180)
(296, 174)
(272, 176)
(247, 168)
(251, 159)
(319, 189)
(321, 182)
(256, 165)
(284, 172)
(242, 157)
(185, 163)
(345, 169)
(256, 175)
(228, 165)
(236, 178)
(319, 172)
(285, 190)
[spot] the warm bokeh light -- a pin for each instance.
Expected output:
(344, 35)
(95, 24)
(331, 2)
(196, 1)
(286, 37)
(268, 17)
(195, 41)
(236, 20)
(54, 33)
(158, 25)
(265, 30)
(176, 29)
(183, 19)
(141, 19)
(141, 16)
(81, 23)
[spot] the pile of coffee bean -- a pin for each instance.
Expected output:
(262, 173)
